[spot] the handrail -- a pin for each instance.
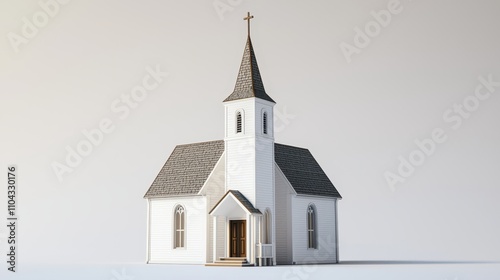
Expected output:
(264, 250)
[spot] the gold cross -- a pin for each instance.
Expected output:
(248, 18)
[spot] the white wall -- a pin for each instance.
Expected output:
(240, 172)
(250, 154)
(262, 106)
(325, 215)
(283, 217)
(222, 232)
(264, 160)
(250, 157)
(214, 189)
(161, 242)
(240, 148)
(247, 106)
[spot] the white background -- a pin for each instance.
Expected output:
(356, 118)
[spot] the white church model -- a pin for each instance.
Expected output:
(244, 200)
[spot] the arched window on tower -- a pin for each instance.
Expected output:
(239, 122)
(179, 227)
(311, 227)
(264, 123)
(267, 227)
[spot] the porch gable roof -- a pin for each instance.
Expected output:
(240, 199)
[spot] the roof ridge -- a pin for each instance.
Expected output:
(199, 143)
(291, 146)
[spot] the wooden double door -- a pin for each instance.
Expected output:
(238, 231)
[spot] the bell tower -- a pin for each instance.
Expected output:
(249, 134)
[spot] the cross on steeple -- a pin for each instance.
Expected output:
(248, 18)
(249, 82)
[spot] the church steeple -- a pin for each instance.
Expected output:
(249, 82)
(249, 135)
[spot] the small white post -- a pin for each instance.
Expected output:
(337, 258)
(214, 245)
(148, 233)
(250, 250)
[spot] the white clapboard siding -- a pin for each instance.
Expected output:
(247, 108)
(240, 171)
(264, 172)
(222, 229)
(250, 154)
(265, 181)
(262, 106)
(325, 216)
(283, 218)
(214, 190)
(161, 231)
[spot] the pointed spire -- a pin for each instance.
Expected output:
(249, 82)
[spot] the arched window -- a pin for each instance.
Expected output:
(264, 123)
(311, 227)
(179, 227)
(268, 237)
(239, 122)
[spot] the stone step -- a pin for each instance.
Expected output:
(233, 259)
(238, 262)
(228, 264)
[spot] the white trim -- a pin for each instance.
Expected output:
(184, 231)
(176, 196)
(318, 196)
(148, 232)
(214, 238)
(286, 179)
(226, 129)
(273, 170)
(268, 226)
(243, 122)
(248, 250)
(337, 232)
(210, 175)
(264, 126)
(314, 228)
(237, 201)
(228, 236)
(264, 102)
(256, 99)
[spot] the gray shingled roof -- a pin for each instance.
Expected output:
(187, 169)
(189, 166)
(249, 82)
(303, 171)
(242, 199)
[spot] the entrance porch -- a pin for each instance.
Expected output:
(238, 232)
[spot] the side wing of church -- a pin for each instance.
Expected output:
(244, 200)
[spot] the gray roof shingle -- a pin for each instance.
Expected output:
(249, 82)
(189, 166)
(303, 171)
(187, 169)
